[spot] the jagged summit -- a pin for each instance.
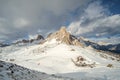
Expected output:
(63, 30)
(64, 37)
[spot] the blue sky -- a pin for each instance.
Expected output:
(113, 5)
(89, 18)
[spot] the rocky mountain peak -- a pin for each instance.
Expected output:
(64, 37)
(62, 34)
(63, 30)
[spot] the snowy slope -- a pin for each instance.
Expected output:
(62, 54)
(52, 57)
(9, 71)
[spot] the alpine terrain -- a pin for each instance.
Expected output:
(60, 56)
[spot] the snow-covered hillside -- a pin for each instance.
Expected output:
(55, 58)
(9, 71)
(68, 60)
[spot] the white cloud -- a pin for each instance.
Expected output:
(95, 22)
(24, 17)
(95, 10)
(20, 23)
(21, 18)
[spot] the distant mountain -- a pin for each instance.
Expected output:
(111, 47)
(3, 45)
(38, 38)
(105, 47)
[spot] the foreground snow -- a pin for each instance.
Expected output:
(55, 58)
(9, 71)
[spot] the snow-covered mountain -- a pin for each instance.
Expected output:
(115, 48)
(62, 54)
(23, 41)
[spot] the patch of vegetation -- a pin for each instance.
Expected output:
(98, 50)
(112, 58)
(110, 65)
(1, 65)
(104, 56)
(72, 49)
(12, 59)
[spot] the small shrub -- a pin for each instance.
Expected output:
(98, 50)
(28, 72)
(1, 65)
(80, 58)
(12, 59)
(72, 49)
(42, 51)
(112, 58)
(110, 65)
(12, 72)
(118, 60)
(104, 56)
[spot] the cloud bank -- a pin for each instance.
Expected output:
(25, 18)
(21, 18)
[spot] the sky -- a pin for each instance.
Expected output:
(94, 19)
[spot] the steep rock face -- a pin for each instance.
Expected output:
(40, 37)
(64, 37)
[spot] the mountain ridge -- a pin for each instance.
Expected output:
(114, 48)
(39, 37)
